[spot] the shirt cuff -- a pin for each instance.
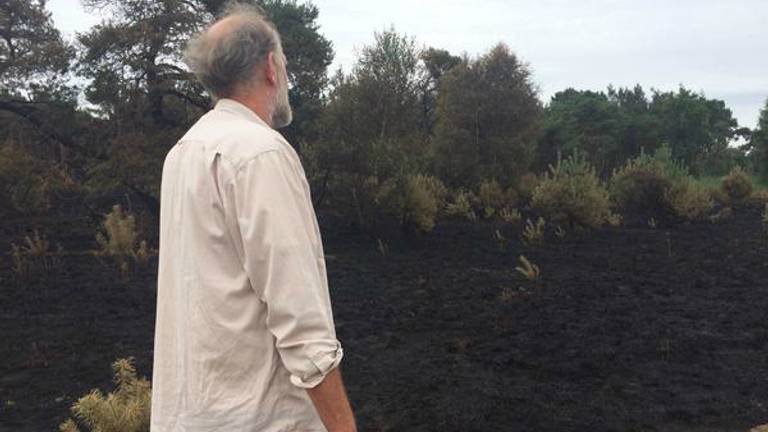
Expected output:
(322, 362)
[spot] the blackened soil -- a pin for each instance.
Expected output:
(631, 329)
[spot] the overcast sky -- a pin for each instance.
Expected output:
(719, 47)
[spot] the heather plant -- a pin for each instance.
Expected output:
(127, 409)
(572, 193)
(737, 185)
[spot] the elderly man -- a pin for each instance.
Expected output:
(244, 335)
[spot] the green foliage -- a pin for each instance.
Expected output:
(511, 215)
(688, 199)
(412, 202)
(525, 186)
(34, 257)
(120, 239)
(737, 185)
(29, 185)
(533, 233)
(758, 144)
(493, 198)
(127, 409)
(658, 184)
(696, 128)
(33, 52)
(639, 186)
(614, 126)
(424, 197)
(462, 206)
(487, 113)
(572, 193)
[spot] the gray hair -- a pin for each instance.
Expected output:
(226, 63)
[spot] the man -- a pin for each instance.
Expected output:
(244, 336)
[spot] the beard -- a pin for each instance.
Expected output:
(283, 114)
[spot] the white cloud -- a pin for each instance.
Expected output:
(711, 45)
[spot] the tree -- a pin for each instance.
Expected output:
(34, 61)
(487, 115)
(608, 128)
(758, 143)
(371, 122)
(698, 129)
(140, 84)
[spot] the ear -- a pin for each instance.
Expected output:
(271, 68)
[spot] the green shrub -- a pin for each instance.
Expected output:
(493, 198)
(737, 185)
(572, 193)
(127, 409)
(639, 186)
(411, 201)
(688, 199)
(424, 197)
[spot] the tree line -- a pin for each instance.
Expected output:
(88, 121)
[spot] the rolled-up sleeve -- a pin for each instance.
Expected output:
(283, 259)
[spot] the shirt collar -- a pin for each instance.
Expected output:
(235, 107)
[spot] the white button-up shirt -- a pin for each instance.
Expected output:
(244, 321)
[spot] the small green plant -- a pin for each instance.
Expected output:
(461, 206)
(614, 219)
(737, 185)
(511, 215)
(33, 257)
(533, 233)
(127, 409)
(120, 239)
(560, 233)
(501, 241)
(528, 269)
(382, 247)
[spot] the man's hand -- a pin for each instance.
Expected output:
(331, 403)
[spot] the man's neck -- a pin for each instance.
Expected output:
(258, 105)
